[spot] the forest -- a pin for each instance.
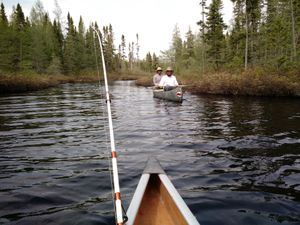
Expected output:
(257, 54)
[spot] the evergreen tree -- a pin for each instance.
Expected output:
(200, 49)
(70, 54)
(236, 50)
(149, 62)
(18, 25)
(108, 42)
(277, 34)
(177, 47)
(155, 61)
(91, 42)
(4, 40)
(42, 35)
(58, 43)
(253, 15)
(188, 49)
(80, 46)
(214, 36)
(137, 48)
(3, 18)
(123, 47)
(130, 54)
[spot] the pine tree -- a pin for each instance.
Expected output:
(108, 42)
(237, 41)
(58, 42)
(137, 48)
(42, 34)
(155, 61)
(18, 25)
(214, 36)
(253, 16)
(3, 17)
(188, 49)
(70, 54)
(4, 40)
(201, 42)
(130, 55)
(91, 42)
(123, 47)
(80, 46)
(277, 34)
(177, 47)
(149, 62)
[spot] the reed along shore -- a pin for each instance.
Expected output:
(244, 83)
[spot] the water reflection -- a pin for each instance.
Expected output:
(230, 157)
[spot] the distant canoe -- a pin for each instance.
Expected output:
(157, 202)
(175, 95)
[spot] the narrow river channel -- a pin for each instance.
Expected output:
(234, 160)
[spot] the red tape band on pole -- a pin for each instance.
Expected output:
(117, 196)
(114, 154)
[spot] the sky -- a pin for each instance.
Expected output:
(153, 20)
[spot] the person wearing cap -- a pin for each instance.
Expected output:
(157, 77)
(168, 81)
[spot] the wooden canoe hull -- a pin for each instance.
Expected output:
(157, 202)
(175, 95)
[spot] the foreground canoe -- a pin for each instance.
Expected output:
(157, 202)
(174, 95)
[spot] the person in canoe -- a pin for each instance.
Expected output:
(168, 81)
(157, 77)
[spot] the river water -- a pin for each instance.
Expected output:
(234, 160)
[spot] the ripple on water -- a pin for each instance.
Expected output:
(234, 160)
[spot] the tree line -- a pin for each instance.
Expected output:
(37, 44)
(263, 34)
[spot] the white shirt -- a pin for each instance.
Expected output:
(156, 79)
(168, 81)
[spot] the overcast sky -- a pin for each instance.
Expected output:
(153, 20)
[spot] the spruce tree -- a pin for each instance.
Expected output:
(177, 47)
(155, 61)
(4, 40)
(18, 24)
(80, 46)
(42, 38)
(214, 36)
(236, 50)
(3, 18)
(70, 54)
(188, 54)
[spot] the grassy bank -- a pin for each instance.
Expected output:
(17, 83)
(249, 83)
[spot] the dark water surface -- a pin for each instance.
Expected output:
(235, 161)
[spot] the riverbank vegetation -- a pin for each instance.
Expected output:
(38, 53)
(257, 54)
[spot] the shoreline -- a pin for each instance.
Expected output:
(244, 84)
(22, 83)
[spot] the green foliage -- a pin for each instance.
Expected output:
(214, 36)
(3, 17)
(38, 45)
(263, 34)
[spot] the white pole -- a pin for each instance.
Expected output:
(118, 205)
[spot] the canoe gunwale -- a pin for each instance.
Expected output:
(137, 199)
(153, 168)
(183, 208)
